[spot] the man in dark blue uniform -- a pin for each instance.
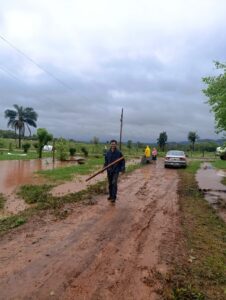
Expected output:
(113, 172)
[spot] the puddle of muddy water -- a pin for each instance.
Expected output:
(209, 181)
(14, 173)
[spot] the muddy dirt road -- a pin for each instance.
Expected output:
(100, 251)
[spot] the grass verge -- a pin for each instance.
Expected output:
(67, 173)
(2, 201)
(220, 164)
(19, 155)
(200, 272)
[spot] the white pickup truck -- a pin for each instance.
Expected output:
(221, 151)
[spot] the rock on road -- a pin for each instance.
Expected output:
(102, 251)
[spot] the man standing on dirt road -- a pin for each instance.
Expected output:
(113, 172)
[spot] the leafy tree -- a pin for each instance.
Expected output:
(85, 151)
(129, 145)
(43, 138)
(26, 147)
(216, 92)
(72, 151)
(62, 149)
(20, 118)
(192, 137)
(96, 142)
(8, 134)
(162, 140)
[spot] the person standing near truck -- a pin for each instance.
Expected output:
(154, 154)
(113, 172)
(147, 153)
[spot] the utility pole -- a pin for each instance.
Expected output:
(53, 150)
(121, 123)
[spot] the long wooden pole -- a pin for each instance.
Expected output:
(121, 123)
(105, 168)
(53, 150)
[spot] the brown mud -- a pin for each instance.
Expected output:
(79, 183)
(102, 251)
(209, 181)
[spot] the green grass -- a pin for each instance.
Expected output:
(220, 164)
(198, 154)
(34, 193)
(200, 266)
(8, 223)
(17, 155)
(193, 166)
(2, 201)
(67, 173)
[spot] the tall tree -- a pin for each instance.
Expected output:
(216, 92)
(96, 142)
(20, 118)
(129, 145)
(162, 140)
(43, 138)
(193, 137)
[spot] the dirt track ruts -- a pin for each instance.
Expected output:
(102, 251)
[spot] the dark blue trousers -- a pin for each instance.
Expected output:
(113, 184)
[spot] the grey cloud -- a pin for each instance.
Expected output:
(152, 70)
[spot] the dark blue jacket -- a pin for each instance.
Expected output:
(110, 157)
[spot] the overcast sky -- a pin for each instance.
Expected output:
(146, 56)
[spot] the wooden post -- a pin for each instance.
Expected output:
(53, 150)
(121, 123)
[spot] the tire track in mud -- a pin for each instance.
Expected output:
(100, 251)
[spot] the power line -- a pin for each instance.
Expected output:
(39, 66)
(34, 62)
(9, 73)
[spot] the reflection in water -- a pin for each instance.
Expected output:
(18, 172)
(14, 173)
(209, 181)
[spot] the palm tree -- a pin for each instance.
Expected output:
(162, 140)
(193, 137)
(20, 118)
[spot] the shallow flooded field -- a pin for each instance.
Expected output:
(14, 173)
(209, 181)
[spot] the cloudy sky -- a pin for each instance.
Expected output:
(97, 56)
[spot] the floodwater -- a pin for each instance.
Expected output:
(209, 181)
(14, 173)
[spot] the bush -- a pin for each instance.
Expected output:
(72, 151)
(26, 147)
(35, 145)
(62, 149)
(10, 147)
(85, 151)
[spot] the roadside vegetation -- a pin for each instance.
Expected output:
(220, 164)
(200, 264)
(67, 173)
(2, 201)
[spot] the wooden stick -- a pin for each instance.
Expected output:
(105, 168)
